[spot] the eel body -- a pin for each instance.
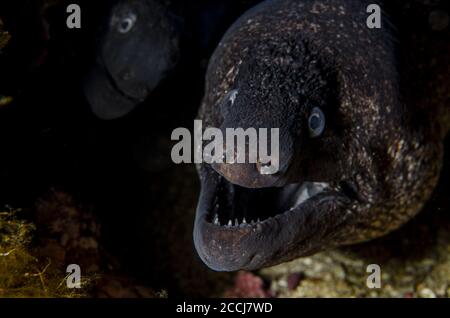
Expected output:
(382, 95)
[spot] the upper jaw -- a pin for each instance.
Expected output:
(302, 229)
(249, 178)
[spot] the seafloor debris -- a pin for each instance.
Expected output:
(248, 285)
(72, 235)
(71, 232)
(34, 257)
(342, 273)
(21, 273)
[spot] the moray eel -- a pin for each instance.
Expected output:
(143, 42)
(362, 115)
(138, 47)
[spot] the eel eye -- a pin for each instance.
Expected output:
(232, 96)
(126, 24)
(316, 122)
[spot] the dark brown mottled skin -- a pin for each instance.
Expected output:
(386, 98)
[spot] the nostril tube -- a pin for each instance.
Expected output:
(270, 167)
(264, 167)
(230, 154)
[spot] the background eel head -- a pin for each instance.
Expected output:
(265, 94)
(351, 167)
(137, 47)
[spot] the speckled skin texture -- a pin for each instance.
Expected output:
(386, 96)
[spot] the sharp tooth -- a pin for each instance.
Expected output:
(236, 222)
(230, 223)
(216, 220)
(244, 222)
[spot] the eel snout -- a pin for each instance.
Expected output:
(246, 175)
(247, 168)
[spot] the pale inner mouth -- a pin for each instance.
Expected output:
(236, 206)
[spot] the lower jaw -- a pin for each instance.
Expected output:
(229, 247)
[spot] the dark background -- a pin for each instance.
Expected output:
(50, 139)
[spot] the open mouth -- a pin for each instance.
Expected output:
(241, 228)
(236, 206)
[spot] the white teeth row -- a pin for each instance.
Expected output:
(236, 222)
